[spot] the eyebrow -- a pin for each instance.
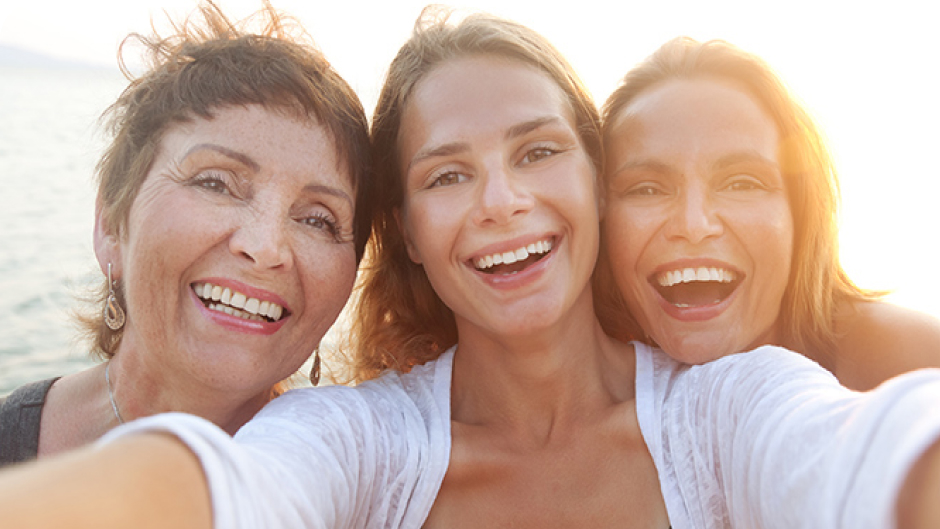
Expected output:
(328, 190)
(745, 156)
(237, 156)
(515, 131)
(721, 163)
(650, 165)
(524, 128)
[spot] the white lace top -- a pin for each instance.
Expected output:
(761, 439)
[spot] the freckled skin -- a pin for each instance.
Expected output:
(240, 209)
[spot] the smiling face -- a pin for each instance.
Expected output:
(698, 227)
(500, 205)
(238, 251)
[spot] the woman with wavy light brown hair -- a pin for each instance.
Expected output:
(771, 275)
(229, 225)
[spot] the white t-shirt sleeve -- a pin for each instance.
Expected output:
(768, 439)
(291, 467)
(322, 457)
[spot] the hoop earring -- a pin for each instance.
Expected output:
(113, 313)
(315, 369)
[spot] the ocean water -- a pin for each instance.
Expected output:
(49, 143)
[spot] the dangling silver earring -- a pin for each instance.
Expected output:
(113, 313)
(315, 369)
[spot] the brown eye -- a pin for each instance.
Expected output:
(644, 190)
(744, 183)
(211, 181)
(449, 178)
(538, 154)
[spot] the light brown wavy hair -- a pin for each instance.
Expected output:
(398, 319)
(207, 63)
(817, 283)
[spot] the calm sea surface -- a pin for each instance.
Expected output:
(49, 143)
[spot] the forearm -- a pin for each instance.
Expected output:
(142, 481)
(919, 499)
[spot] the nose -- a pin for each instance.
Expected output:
(262, 238)
(502, 196)
(696, 216)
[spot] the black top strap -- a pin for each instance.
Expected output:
(20, 415)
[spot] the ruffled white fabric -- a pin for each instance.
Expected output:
(768, 439)
(765, 439)
(373, 456)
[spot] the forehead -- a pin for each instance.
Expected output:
(689, 116)
(479, 93)
(273, 138)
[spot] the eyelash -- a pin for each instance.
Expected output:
(643, 190)
(545, 151)
(745, 184)
(328, 223)
(211, 181)
(436, 181)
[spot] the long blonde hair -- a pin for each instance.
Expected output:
(817, 280)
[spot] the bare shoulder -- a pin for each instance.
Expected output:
(878, 340)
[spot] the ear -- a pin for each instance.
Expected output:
(412, 252)
(107, 242)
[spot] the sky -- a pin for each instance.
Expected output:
(868, 73)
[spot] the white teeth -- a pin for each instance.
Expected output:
(686, 275)
(230, 302)
(238, 300)
(519, 254)
(252, 305)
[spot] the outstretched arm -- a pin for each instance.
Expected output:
(919, 500)
(144, 481)
(879, 340)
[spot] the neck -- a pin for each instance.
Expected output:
(535, 383)
(139, 390)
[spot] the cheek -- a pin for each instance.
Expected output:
(771, 232)
(622, 237)
(429, 227)
(328, 275)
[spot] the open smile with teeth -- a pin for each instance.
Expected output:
(515, 260)
(695, 287)
(234, 303)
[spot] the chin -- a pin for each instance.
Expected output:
(696, 352)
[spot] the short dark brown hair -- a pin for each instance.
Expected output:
(210, 62)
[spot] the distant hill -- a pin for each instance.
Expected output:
(13, 56)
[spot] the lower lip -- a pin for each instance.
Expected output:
(519, 279)
(698, 313)
(235, 323)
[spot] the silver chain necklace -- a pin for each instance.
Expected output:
(107, 378)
